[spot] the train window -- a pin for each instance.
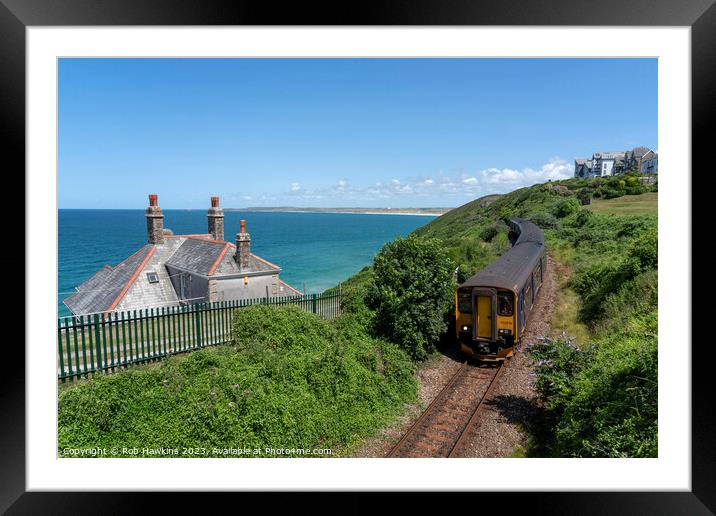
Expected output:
(464, 302)
(504, 303)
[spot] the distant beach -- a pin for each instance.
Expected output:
(359, 212)
(424, 212)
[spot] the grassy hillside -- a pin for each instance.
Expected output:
(599, 380)
(291, 380)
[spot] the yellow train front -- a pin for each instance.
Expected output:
(493, 306)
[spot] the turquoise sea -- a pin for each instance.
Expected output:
(315, 250)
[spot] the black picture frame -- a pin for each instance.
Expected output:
(16, 15)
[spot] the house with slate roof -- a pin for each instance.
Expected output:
(641, 159)
(172, 270)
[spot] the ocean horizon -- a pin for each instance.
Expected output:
(315, 250)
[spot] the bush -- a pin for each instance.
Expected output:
(566, 207)
(291, 380)
(413, 291)
(489, 232)
(601, 399)
(545, 220)
(585, 196)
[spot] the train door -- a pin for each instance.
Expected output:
(485, 320)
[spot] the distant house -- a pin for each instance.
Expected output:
(172, 270)
(601, 164)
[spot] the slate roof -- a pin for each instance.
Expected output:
(609, 155)
(103, 289)
(126, 286)
(227, 264)
(284, 289)
(197, 255)
(638, 152)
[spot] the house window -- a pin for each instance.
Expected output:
(152, 277)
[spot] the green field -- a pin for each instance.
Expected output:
(644, 204)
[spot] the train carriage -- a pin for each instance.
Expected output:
(492, 307)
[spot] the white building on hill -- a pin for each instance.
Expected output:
(642, 159)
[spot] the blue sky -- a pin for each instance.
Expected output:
(338, 132)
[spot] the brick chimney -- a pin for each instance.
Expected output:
(243, 247)
(155, 221)
(216, 220)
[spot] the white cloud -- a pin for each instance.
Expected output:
(445, 189)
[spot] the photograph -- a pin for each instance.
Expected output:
(357, 257)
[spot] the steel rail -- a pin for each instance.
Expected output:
(439, 398)
(472, 422)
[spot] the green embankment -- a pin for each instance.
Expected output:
(293, 381)
(598, 379)
(290, 382)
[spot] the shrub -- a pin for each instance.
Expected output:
(566, 207)
(601, 399)
(290, 380)
(412, 292)
(545, 220)
(489, 232)
(585, 196)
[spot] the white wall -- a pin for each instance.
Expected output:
(607, 167)
(249, 287)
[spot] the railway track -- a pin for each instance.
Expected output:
(445, 426)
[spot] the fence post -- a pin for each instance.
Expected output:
(98, 348)
(315, 304)
(59, 346)
(197, 326)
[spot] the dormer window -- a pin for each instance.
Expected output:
(152, 277)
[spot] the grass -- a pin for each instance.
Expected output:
(566, 316)
(644, 204)
(288, 381)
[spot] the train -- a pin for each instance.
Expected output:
(492, 307)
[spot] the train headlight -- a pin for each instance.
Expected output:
(465, 328)
(504, 331)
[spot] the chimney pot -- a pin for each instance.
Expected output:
(215, 218)
(155, 221)
(243, 247)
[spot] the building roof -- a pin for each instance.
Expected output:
(511, 269)
(284, 289)
(640, 151)
(126, 286)
(610, 155)
(105, 288)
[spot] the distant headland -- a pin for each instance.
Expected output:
(366, 211)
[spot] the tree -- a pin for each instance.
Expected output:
(413, 290)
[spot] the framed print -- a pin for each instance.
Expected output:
(266, 302)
